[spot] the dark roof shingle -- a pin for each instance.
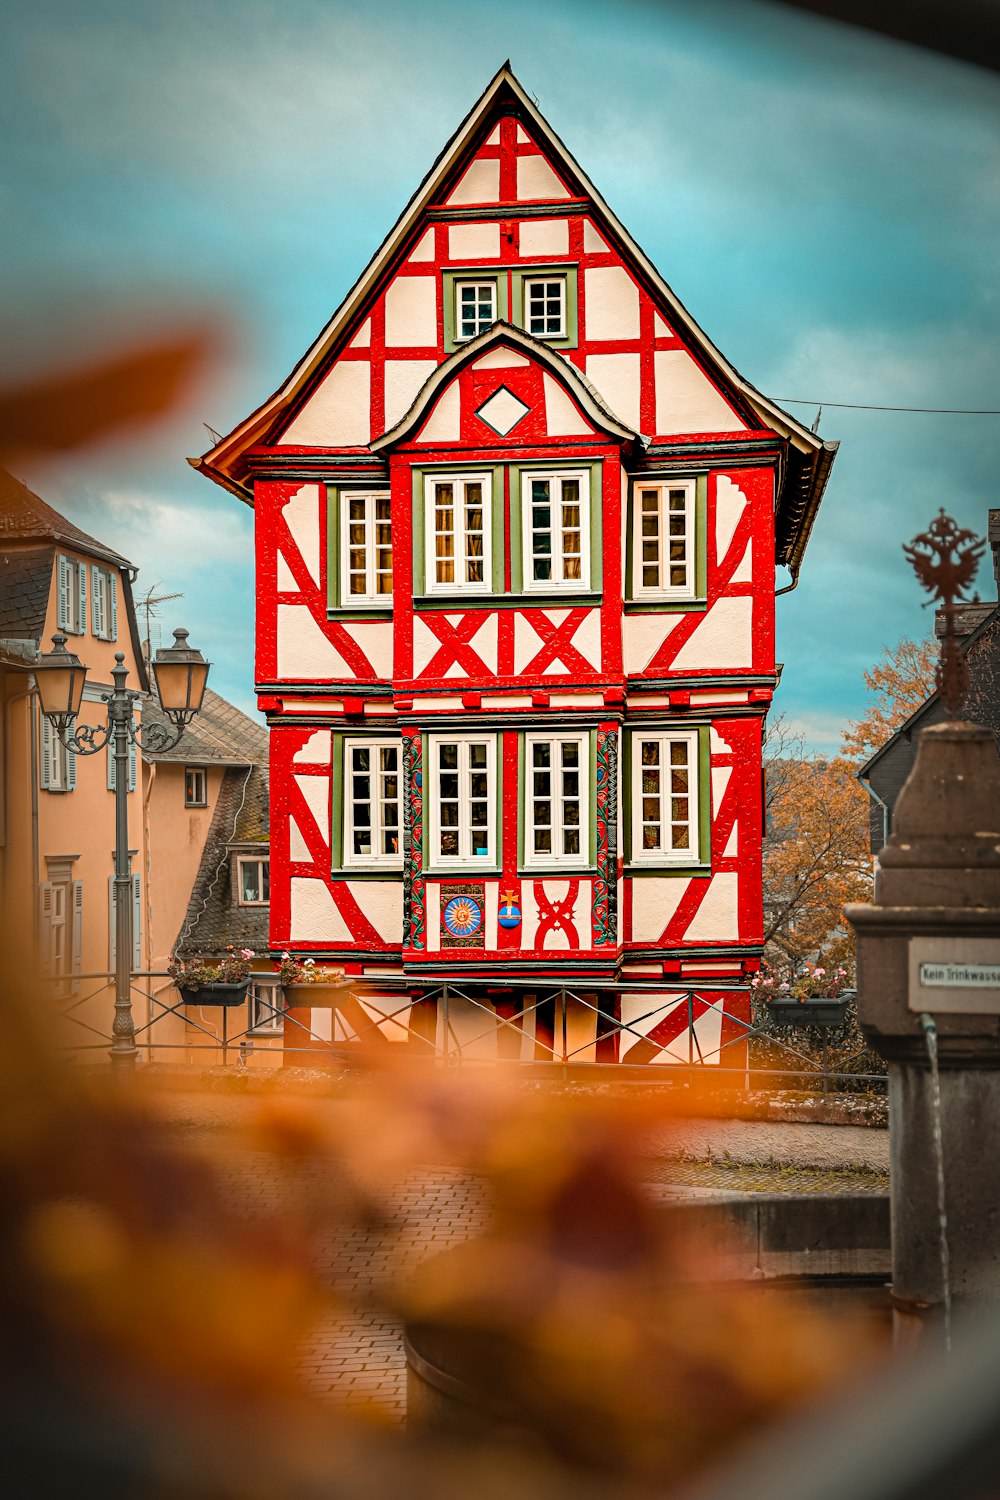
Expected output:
(221, 734)
(25, 582)
(25, 517)
(214, 920)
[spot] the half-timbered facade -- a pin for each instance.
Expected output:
(517, 523)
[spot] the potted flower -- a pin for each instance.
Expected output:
(815, 997)
(305, 983)
(222, 983)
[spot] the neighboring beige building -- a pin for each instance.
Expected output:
(57, 829)
(206, 813)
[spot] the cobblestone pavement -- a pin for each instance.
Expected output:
(357, 1357)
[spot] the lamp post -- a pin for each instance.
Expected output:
(180, 673)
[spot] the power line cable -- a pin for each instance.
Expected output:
(939, 411)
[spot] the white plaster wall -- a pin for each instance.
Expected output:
(481, 183)
(411, 313)
(375, 639)
(298, 849)
(536, 179)
(744, 568)
(500, 359)
(544, 237)
(432, 916)
(474, 242)
(616, 376)
(612, 304)
(644, 635)
(424, 248)
(403, 379)
(720, 780)
(316, 795)
(562, 419)
(382, 903)
(660, 329)
(304, 653)
(707, 1029)
(339, 414)
(730, 503)
(654, 901)
(686, 400)
(301, 515)
(717, 918)
(444, 423)
(284, 580)
(722, 639)
(316, 751)
(593, 243)
(527, 643)
(315, 916)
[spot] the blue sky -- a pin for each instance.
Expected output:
(826, 203)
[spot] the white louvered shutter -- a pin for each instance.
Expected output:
(45, 926)
(96, 601)
(131, 765)
(76, 968)
(71, 770)
(112, 607)
(110, 754)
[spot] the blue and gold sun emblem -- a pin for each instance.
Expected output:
(463, 916)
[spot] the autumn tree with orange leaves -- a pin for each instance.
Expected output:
(816, 850)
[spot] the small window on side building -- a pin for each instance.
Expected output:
(195, 786)
(253, 882)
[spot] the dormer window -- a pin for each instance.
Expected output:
(476, 309)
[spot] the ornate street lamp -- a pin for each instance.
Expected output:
(180, 673)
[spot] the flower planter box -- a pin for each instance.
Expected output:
(807, 1012)
(217, 994)
(325, 993)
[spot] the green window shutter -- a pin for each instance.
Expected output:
(64, 584)
(81, 581)
(113, 607)
(77, 950)
(132, 766)
(45, 764)
(71, 770)
(136, 921)
(96, 602)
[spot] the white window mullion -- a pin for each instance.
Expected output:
(463, 813)
(365, 548)
(557, 800)
(556, 527)
(458, 526)
(372, 802)
(663, 540)
(665, 795)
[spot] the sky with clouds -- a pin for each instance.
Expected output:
(824, 201)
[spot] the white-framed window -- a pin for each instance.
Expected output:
(372, 802)
(461, 794)
(557, 799)
(56, 764)
(265, 1005)
(665, 796)
(555, 523)
(664, 540)
(103, 604)
(71, 599)
(365, 548)
(459, 509)
(195, 786)
(253, 880)
(545, 306)
(475, 308)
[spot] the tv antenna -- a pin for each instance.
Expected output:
(149, 604)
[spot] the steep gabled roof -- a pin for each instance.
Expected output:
(221, 735)
(25, 584)
(811, 456)
(214, 919)
(591, 401)
(25, 517)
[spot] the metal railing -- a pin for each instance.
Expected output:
(561, 1028)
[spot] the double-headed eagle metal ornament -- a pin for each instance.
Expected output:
(945, 559)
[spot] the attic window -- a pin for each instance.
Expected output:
(545, 307)
(253, 882)
(476, 308)
(195, 786)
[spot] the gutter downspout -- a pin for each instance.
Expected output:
(883, 805)
(788, 586)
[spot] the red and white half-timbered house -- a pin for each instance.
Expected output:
(517, 522)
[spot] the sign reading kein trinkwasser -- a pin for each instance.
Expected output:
(955, 974)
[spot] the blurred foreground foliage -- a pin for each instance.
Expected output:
(152, 1326)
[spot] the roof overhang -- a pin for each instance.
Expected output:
(810, 456)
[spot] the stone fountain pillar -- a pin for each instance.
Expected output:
(929, 972)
